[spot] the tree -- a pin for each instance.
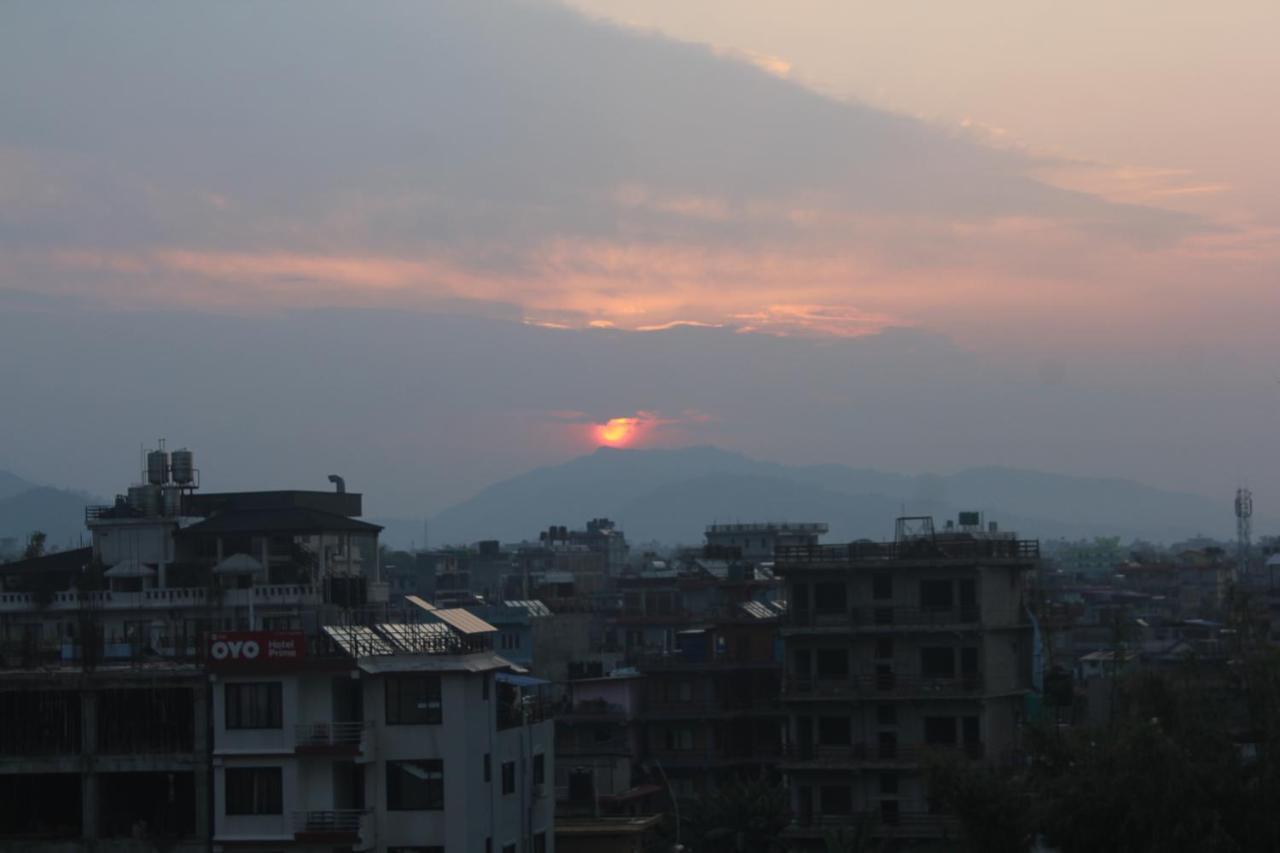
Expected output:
(35, 546)
(741, 816)
(991, 807)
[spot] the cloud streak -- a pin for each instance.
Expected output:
(461, 159)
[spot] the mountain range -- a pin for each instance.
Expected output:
(669, 496)
(26, 507)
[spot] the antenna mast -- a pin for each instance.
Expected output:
(1244, 531)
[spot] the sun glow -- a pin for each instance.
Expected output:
(617, 432)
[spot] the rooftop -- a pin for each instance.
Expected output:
(279, 519)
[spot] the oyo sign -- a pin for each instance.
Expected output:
(235, 649)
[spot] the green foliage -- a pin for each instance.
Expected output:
(1167, 774)
(991, 808)
(740, 816)
(35, 545)
(855, 839)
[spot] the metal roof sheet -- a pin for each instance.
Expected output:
(419, 638)
(464, 621)
(358, 640)
(420, 602)
(475, 662)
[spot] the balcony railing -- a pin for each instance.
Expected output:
(329, 735)
(164, 599)
(333, 822)
(875, 618)
(885, 684)
(817, 756)
(900, 825)
(716, 756)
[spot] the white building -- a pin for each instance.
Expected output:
(399, 738)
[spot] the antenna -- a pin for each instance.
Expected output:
(1244, 531)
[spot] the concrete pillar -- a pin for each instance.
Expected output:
(88, 771)
(202, 696)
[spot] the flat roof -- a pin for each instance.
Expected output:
(278, 519)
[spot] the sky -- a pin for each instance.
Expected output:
(909, 236)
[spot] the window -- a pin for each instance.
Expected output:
(938, 662)
(540, 843)
(887, 715)
(539, 769)
(936, 595)
(882, 587)
(488, 767)
(802, 658)
(940, 731)
(679, 739)
(508, 777)
(833, 731)
(884, 648)
(508, 848)
(415, 785)
(829, 598)
(888, 783)
(835, 800)
(253, 790)
(433, 848)
(413, 699)
(253, 705)
(832, 662)
(484, 687)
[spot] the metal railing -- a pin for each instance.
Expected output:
(878, 753)
(899, 825)
(317, 735)
(891, 683)
(328, 822)
(924, 549)
(884, 617)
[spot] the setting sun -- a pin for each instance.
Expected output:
(617, 432)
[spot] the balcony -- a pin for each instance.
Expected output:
(818, 757)
(885, 619)
(884, 685)
(171, 598)
(716, 757)
(345, 738)
(335, 826)
(920, 825)
(675, 661)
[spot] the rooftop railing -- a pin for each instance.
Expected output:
(923, 549)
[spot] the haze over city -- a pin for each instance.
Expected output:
(433, 246)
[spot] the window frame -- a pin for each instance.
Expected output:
(394, 708)
(260, 799)
(432, 787)
(233, 707)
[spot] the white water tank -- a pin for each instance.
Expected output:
(145, 499)
(157, 467)
(183, 468)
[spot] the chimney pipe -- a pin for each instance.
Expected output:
(339, 482)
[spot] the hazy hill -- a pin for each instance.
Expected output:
(25, 507)
(12, 484)
(670, 495)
